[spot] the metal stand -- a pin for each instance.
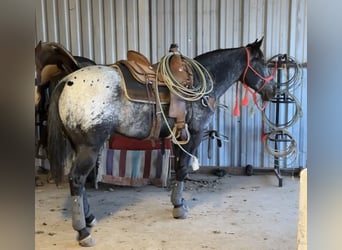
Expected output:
(282, 97)
(276, 159)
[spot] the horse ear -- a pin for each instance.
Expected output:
(258, 43)
(38, 47)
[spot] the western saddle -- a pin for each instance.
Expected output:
(145, 73)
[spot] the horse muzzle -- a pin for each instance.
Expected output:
(268, 92)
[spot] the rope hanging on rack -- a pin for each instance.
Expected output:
(287, 63)
(289, 149)
(289, 77)
(287, 98)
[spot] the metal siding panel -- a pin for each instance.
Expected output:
(222, 123)
(168, 27)
(214, 25)
(41, 29)
(224, 14)
(75, 27)
(132, 25)
(177, 23)
(205, 26)
(272, 31)
(110, 31)
(87, 31)
(199, 25)
(253, 22)
(64, 23)
(153, 34)
(160, 42)
(230, 23)
(184, 26)
(298, 24)
(121, 29)
(51, 20)
(191, 29)
(98, 26)
(144, 27)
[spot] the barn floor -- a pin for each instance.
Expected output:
(232, 212)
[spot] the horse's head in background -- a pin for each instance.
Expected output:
(255, 73)
(53, 62)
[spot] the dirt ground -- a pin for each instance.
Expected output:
(231, 212)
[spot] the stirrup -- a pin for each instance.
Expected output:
(177, 135)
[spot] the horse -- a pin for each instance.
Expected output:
(53, 62)
(88, 105)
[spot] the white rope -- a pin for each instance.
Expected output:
(176, 88)
(298, 114)
(293, 81)
(290, 149)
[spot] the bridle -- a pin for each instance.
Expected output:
(266, 80)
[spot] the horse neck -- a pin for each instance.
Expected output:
(225, 66)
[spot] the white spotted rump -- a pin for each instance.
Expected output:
(87, 98)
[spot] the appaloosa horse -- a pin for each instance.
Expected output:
(88, 106)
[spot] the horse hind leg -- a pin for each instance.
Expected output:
(81, 216)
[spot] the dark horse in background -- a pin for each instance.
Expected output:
(88, 105)
(53, 62)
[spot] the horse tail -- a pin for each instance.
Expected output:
(58, 143)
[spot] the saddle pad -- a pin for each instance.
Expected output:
(139, 92)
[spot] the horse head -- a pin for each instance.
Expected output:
(53, 61)
(255, 73)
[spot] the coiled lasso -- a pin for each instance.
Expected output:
(289, 149)
(294, 72)
(188, 94)
(297, 114)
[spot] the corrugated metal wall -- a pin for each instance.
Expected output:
(103, 30)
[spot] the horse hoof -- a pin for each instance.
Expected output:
(87, 242)
(180, 212)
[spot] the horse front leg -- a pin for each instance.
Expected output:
(81, 215)
(180, 208)
(182, 165)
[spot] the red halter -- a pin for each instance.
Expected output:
(244, 101)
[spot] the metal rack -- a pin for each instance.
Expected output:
(285, 147)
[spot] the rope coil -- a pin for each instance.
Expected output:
(177, 88)
(297, 114)
(289, 145)
(192, 94)
(294, 74)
